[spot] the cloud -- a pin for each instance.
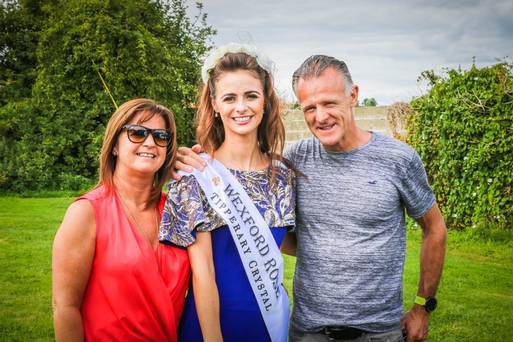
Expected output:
(386, 44)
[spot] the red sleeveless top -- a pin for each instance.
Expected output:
(134, 293)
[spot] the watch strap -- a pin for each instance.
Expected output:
(420, 300)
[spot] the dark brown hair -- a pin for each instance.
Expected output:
(210, 131)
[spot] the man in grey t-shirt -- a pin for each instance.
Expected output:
(353, 189)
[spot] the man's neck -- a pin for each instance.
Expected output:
(353, 139)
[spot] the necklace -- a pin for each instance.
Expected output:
(154, 229)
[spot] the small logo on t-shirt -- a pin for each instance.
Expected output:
(372, 182)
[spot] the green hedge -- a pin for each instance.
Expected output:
(53, 106)
(463, 130)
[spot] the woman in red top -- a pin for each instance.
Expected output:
(112, 279)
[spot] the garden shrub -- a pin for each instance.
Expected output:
(463, 131)
(52, 123)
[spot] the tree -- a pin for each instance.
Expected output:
(141, 48)
(369, 102)
(20, 24)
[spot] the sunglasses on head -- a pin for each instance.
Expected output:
(137, 134)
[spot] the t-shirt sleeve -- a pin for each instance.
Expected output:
(291, 195)
(290, 152)
(416, 193)
(185, 212)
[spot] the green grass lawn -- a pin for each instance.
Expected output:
(475, 295)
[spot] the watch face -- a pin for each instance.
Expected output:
(430, 304)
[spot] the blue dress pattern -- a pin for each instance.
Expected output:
(187, 211)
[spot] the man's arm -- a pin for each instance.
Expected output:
(187, 159)
(434, 235)
(289, 244)
(432, 254)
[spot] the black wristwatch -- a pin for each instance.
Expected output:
(428, 303)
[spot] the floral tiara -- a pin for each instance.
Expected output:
(215, 56)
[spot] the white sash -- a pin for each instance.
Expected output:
(257, 248)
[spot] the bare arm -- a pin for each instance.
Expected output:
(433, 251)
(431, 265)
(187, 159)
(205, 288)
(289, 244)
(72, 257)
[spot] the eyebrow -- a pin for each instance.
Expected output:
(246, 93)
(304, 109)
(323, 103)
(329, 102)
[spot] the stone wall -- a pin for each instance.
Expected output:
(369, 118)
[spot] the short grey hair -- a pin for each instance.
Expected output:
(315, 65)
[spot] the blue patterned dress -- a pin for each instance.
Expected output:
(187, 211)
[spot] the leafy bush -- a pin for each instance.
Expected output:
(463, 130)
(52, 124)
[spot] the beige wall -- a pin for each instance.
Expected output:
(369, 118)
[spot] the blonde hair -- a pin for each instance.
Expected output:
(122, 116)
(210, 131)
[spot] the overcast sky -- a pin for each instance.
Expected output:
(386, 44)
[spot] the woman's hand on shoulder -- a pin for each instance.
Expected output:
(72, 257)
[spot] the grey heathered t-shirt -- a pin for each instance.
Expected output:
(351, 231)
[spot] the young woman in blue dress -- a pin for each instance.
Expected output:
(239, 125)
